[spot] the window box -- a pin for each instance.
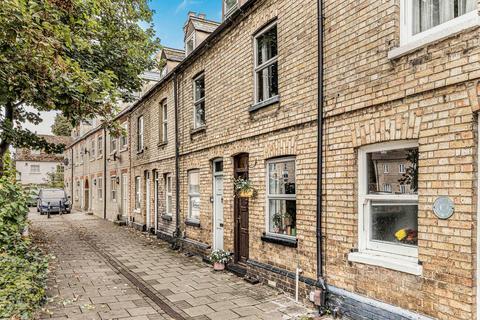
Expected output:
(284, 241)
(263, 104)
(192, 223)
(425, 22)
(167, 217)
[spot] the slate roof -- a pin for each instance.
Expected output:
(204, 25)
(173, 54)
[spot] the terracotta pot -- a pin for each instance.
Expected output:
(245, 193)
(217, 266)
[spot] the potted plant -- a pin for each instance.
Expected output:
(219, 258)
(277, 222)
(243, 187)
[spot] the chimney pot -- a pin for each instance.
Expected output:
(202, 15)
(191, 14)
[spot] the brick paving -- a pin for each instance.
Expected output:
(99, 268)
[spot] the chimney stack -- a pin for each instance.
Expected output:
(192, 14)
(202, 16)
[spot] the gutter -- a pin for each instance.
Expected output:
(177, 234)
(321, 100)
(105, 174)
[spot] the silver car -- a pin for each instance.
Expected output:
(53, 201)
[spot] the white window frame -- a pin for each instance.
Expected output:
(401, 168)
(92, 149)
(264, 65)
(138, 193)
(140, 133)
(193, 38)
(403, 189)
(364, 200)
(124, 138)
(229, 11)
(386, 168)
(100, 187)
(199, 101)
(410, 42)
(191, 195)
(168, 194)
(37, 166)
(277, 197)
(113, 188)
(100, 146)
(387, 187)
(164, 115)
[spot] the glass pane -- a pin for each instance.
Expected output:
(267, 82)
(267, 46)
(395, 223)
(229, 4)
(281, 177)
(194, 208)
(283, 217)
(218, 166)
(430, 13)
(200, 115)
(169, 204)
(381, 181)
(194, 182)
(199, 88)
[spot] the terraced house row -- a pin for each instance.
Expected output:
(357, 127)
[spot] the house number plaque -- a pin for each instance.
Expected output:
(443, 208)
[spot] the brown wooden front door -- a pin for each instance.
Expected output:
(241, 212)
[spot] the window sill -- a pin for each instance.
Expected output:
(167, 217)
(452, 29)
(140, 152)
(198, 130)
(263, 104)
(398, 263)
(192, 223)
(123, 150)
(162, 144)
(284, 241)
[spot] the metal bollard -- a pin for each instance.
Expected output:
(60, 209)
(48, 210)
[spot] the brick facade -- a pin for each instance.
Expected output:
(430, 96)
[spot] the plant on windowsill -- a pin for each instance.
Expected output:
(219, 258)
(277, 222)
(243, 188)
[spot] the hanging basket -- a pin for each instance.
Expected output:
(245, 194)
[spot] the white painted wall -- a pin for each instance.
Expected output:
(27, 177)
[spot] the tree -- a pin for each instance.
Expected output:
(79, 57)
(61, 126)
(55, 179)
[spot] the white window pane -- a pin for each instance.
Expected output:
(383, 181)
(194, 210)
(229, 5)
(281, 178)
(430, 13)
(394, 223)
(194, 182)
(199, 88)
(200, 115)
(267, 46)
(267, 82)
(283, 217)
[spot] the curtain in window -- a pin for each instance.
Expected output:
(430, 13)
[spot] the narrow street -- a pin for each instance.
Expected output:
(101, 271)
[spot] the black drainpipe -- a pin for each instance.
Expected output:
(72, 183)
(320, 274)
(105, 174)
(177, 235)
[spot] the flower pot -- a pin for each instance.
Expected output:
(245, 193)
(217, 266)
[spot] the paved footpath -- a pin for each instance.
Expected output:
(102, 271)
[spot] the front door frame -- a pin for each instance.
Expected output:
(156, 185)
(124, 195)
(147, 200)
(216, 213)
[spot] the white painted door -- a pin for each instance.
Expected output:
(147, 200)
(155, 196)
(218, 210)
(124, 195)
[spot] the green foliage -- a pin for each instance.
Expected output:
(220, 256)
(242, 184)
(79, 57)
(61, 126)
(56, 178)
(24, 269)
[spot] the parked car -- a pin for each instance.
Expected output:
(53, 200)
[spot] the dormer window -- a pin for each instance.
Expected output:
(190, 44)
(229, 6)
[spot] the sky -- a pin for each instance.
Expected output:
(169, 18)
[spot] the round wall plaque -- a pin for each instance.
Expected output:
(443, 208)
